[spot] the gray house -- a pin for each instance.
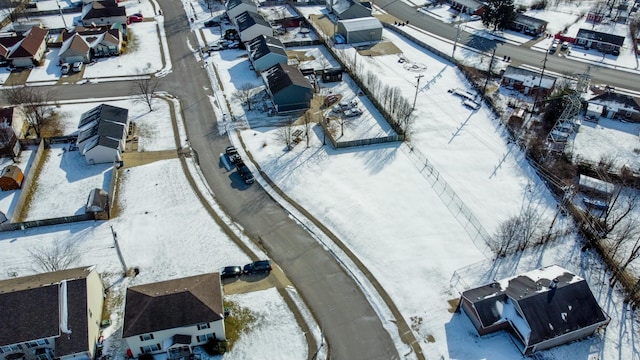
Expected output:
(540, 309)
(266, 51)
(605, 42)
(360, 30)
(251, 25)
(237, 7)
(349, 9)
(288, 88)
(102, 134)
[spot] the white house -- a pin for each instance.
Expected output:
(51, 315)
(102, 134)
(250, 25)
(171, 317)
(237, 7)
(266, 51)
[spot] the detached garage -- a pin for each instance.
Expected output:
(360, 30)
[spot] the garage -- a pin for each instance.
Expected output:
(362, 30)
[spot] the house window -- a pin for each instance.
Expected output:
(42, 342)
(203, 338)
(146, 337)
(150, 348)
(10, 348)
(203, 326)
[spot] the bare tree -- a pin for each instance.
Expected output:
(621, 205)
(244, 94)
(306, 121)
(60, 257)
(631, 256)
(37, 104)
(285, 134)
(144, 86)
(633, 292)
(7, 8)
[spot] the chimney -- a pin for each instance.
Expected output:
(554, 283)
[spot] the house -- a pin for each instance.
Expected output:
(98, 204)
(349, 9)
(26, 50)
(105, 12)
(266, 51)
(605, 42)
(288, 88)
(83, 44)
(75, 49)
(251, 25)
(237, 7)
(361, 30)
(469, 7)
(171, 317)
(51, 315)
(11, 178)
(540, 309)
(527, 81)
(102, 134)
(618, 106)
(13, 126)
(529, 25)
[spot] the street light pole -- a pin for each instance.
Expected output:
(455, 44)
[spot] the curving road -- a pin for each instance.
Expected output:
(518, 54)
(350, 325)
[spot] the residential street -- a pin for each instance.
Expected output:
(519, 55)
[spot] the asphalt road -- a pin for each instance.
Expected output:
(518, 54)
(350, 325)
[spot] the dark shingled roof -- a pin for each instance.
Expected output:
(529, 21)
(102, 9)
(248, 18)
(281, 76)
(263, 45)
(104, 112)
(31, 43)
(233, 3)
(550, 307)
(171, 304)
(600, 37)
(29, 309)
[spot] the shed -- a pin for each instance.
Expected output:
(360, 30)
(98, 204)
(594, 111)
(11, 178)
(595, 187)
(332, 75)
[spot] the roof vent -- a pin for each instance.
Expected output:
(554, 283)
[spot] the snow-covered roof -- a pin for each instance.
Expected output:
(361, 24)
(551, 302)
(529, 78)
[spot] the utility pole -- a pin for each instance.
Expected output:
(489, 71)
(535, 99)
(417, 89)
(455, 44)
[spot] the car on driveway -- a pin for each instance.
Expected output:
(77, 66)
(564, 46)
(260, 266)
(65, 68)
(231, 272)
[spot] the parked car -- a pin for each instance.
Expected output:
(77, 66)
(232, 155)
(134, 19)
(65, 68)
(260, 266)
(231, 272)
(138, 15)
(245, 173)
(564, 46)
(212, 23)
(353, 112)
(331, 99)
(553, 48)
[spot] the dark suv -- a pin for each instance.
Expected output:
(260, 266)
(245, 173)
